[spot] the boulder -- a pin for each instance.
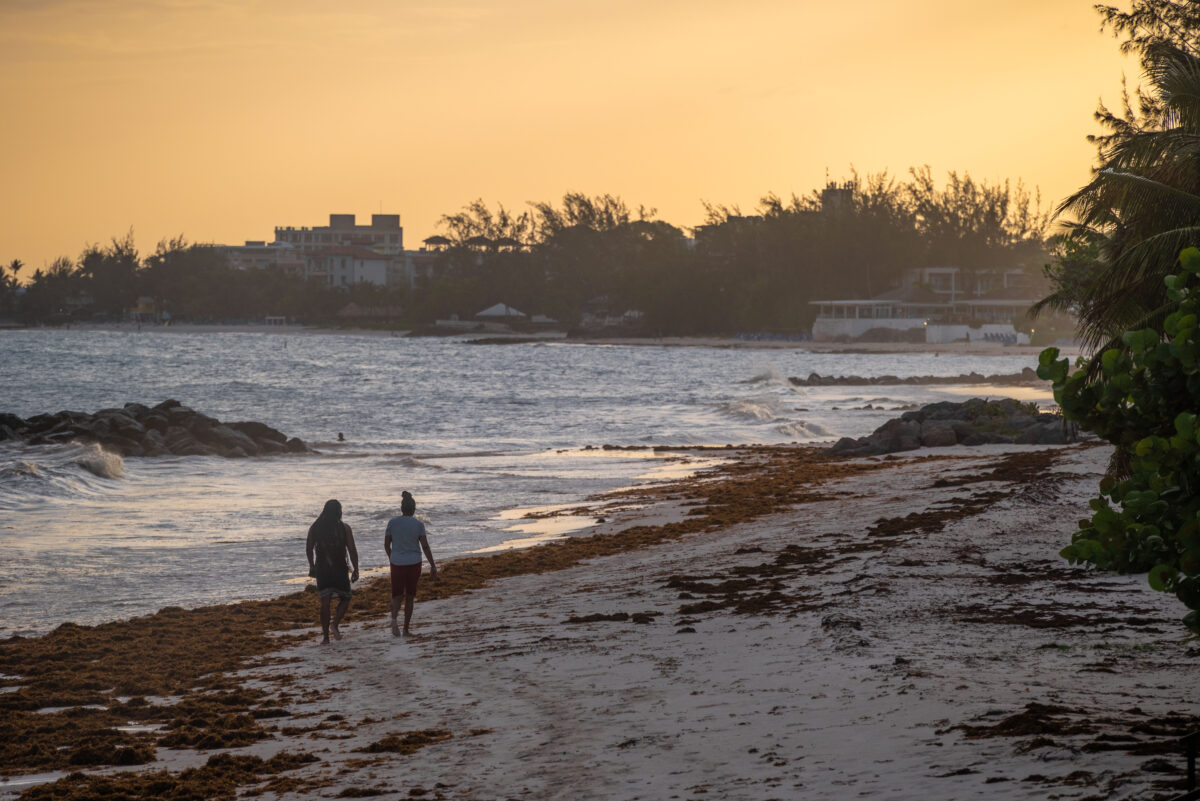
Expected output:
(182, 442)
(1050, 433)
(153, 444)
(259, 431)
(123, 423)
(225, 438)
(844, 444)
(267, 447)
(896, 435)
(938, 435)
(136, 410)
(987, 438)
(972, 422)
(156, 421)
(166, 428)
(122, 445)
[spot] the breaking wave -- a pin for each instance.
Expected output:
(69, 471)
(804, 430)
(760, 408)
(101, 463)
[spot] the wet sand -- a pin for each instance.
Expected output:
(782, 626)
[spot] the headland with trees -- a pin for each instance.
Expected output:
(757, 270)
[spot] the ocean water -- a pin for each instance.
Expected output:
(479, 434)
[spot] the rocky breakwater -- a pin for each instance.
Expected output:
(170, 428)
(1027, 376)
(972, 422)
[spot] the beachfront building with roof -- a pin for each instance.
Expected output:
(382, 235)
(501, 312)
(343, 253)
(348, 265)
(261, 255)
(934, 305)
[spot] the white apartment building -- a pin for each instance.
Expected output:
(346, 266)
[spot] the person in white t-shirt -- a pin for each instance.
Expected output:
(404, 541)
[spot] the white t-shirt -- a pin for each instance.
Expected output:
(406, 532)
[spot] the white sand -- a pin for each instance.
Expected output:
(851, 696)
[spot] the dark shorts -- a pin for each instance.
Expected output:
(404, 579)
(333, 581)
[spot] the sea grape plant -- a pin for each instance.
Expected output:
(1145, 403)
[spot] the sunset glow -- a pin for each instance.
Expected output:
(220, 121)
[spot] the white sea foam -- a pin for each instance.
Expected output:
(763, 407)
(101, 463)
(804, 430)
(21, 469)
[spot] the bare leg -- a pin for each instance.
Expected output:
(325, 619)
(342, 606)
(396, 601)
(408, 605)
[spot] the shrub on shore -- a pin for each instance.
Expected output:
(1149, 520)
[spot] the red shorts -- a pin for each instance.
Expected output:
(404, 579)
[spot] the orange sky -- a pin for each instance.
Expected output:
(220, 119)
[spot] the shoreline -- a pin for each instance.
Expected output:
(776, 625)
(725, 342)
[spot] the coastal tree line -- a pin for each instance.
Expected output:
(597, 255)
(740, 271)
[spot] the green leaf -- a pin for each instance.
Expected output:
(1189, 260)
(1161, 576)
(1108, 360)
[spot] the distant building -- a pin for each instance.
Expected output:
(346, 266)
(383, 235)
(946, 303)
(342, 253)
(258, 255)
(837, 197)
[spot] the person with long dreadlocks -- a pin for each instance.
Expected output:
(329, 542)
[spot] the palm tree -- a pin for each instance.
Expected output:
(8, 284)
(1142, 206)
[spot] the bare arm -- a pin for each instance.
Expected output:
(429, 555)
(308, 548)
(353, 552)
(387, 545)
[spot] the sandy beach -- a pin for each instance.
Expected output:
(781, 627)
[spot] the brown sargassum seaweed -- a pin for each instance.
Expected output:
(170, 674)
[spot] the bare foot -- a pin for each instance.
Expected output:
(408, 633)
(395, 630)
(325, 640)
(337, 635)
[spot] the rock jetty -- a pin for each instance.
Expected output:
(972, 422)
(1027, 376)
(170, 428)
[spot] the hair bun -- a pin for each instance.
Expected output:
(406, 494)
